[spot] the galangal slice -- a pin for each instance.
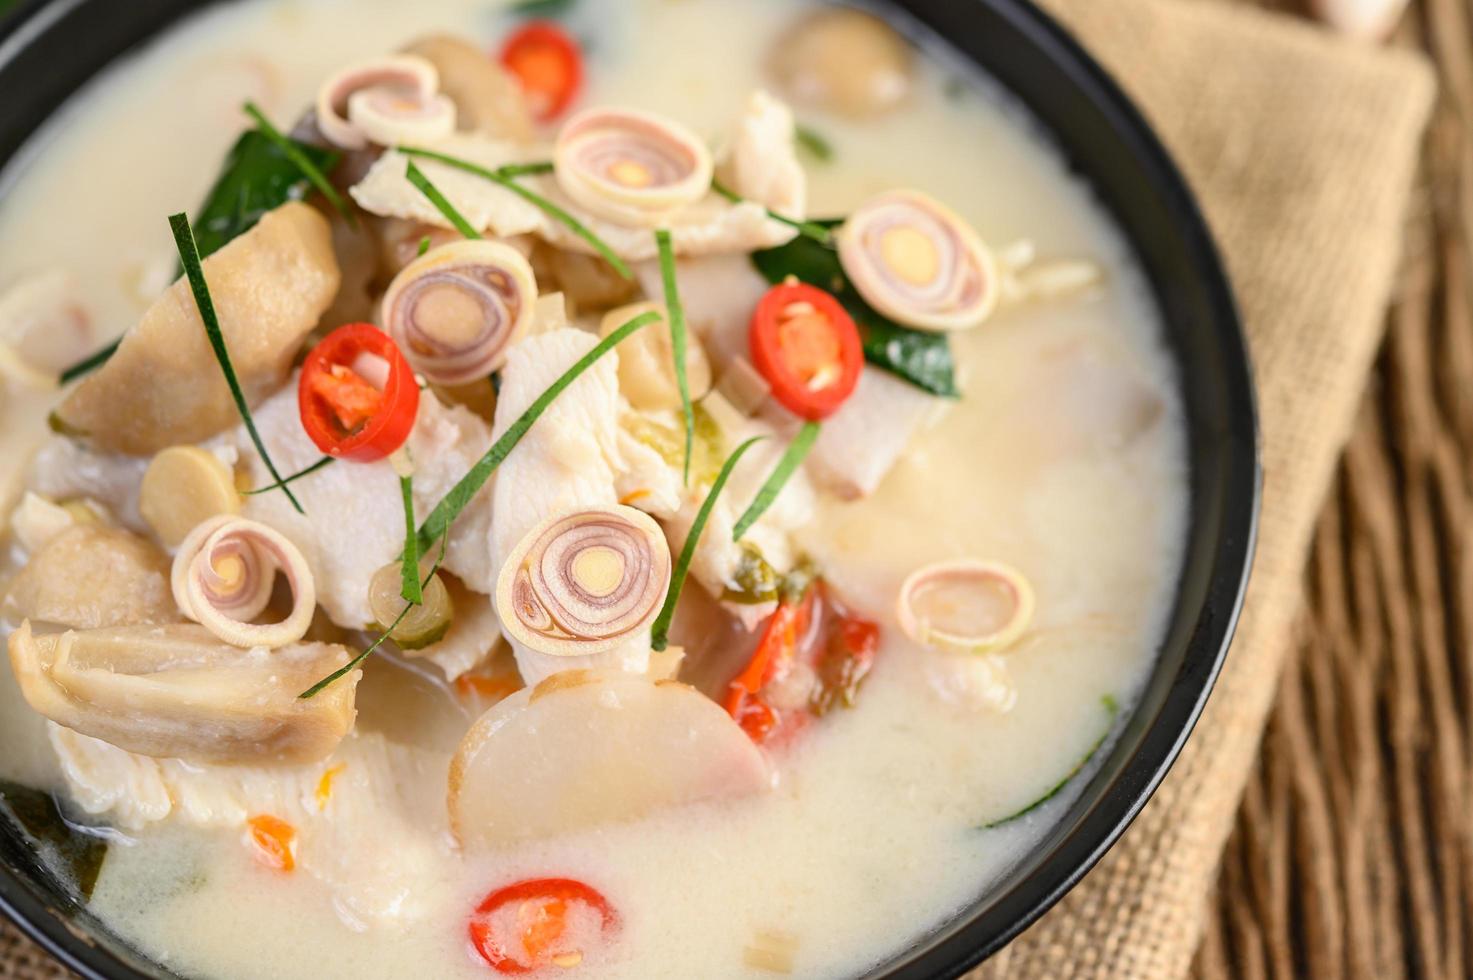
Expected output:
(588, 747)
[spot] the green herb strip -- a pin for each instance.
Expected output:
(660, 635)
(306, 166)
(504, 177)
(921, 357)
(1111, 710)
(442, 204)
(792, 458)
(449, 508)
(808, 229)
(411, 591)
(812, 141)
(541, 8)
(90, 363)
(424, 245)
(348, 667)
(324, 461)
(194, 270)
(677, 340)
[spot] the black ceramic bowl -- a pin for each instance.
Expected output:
(48, 48)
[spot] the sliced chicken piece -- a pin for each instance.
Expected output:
(65, 468)
(719, 293)
(865, 438)
(718, 557)
(91, 576)
(760, 160)
(177, 692)
(354, 513)
(472, 637)
(587, 747)
(163, 388)
(566, 462)
(368, 819)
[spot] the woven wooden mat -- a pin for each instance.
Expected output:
(1353, 854)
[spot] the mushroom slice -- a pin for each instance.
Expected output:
(223, 576)
(587, 747)
(965, 606)
(585, 582)
(177, 692)
(89, 576)
(402, 91)
(457, 309)
(915, 261)
(630, 167)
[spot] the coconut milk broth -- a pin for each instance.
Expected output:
(870, 839)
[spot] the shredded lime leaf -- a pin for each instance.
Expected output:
(660, 635)
(416, 177)
(461, 494)
(306, 166)
(195, 272)
(412, 593)
(677, 340)
(424, 245)
(1112, 708)
(808, 229)
(90, 363)
(348, 667)
(290, 479)
(505, 177)
(812, 141)
(792, 458)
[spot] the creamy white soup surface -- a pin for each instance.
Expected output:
(993, 571)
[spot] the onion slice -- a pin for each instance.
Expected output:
(965, 606)
(456, 310)
(584, 582)
(223, 575)
(633, 168)
(917, 262)
(384, 101)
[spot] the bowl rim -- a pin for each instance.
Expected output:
(974, 933)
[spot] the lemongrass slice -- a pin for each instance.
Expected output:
(223, 575)
(633, 168)
(965, 606)
(915, 261)
(584, 582)
(456, 310)
(389, 117)
(406, 80)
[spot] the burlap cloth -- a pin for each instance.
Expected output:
(1302, 151)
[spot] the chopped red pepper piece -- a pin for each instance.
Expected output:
(549, 65)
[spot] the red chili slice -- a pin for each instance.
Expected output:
(806, 345)
(525, 926)
(350, 416)
(549, 65)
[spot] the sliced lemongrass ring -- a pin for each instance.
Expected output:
(407, 77)
(223, 575)
(388, 116)
(456, 310)
(584, 582)
(633, 168)
(965, 606)
(918, 263)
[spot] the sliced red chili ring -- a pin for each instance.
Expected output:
(357, 395)
(525, 926)
(806, 346)
(549, 65)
